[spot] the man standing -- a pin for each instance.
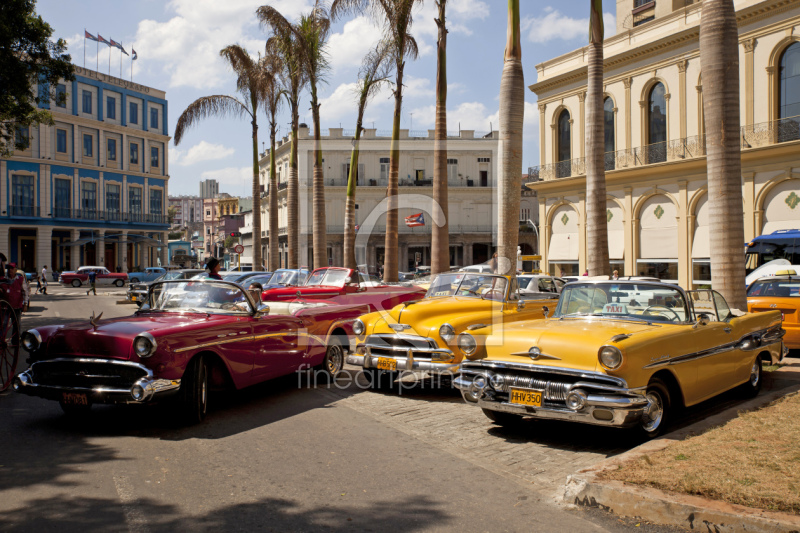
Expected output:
(17, 296)
(92, 281)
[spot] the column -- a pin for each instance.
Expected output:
(75, 259)
(630, 257)
(627, 83)
(4, 240)
(582, 245)
(164, 249)
(146, 155)
(771, 107)
(542, 130)
(543, 243)
(669, 130)
(749, 114)
(101, 195)
(123, 251)
(44, 247)
(100, 247)
(682, 96)
(684, 251)
(582, 124)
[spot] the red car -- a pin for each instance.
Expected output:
(198, 335)
(339, 285)
(104, 277)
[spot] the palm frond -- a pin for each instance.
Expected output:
(246, 69)
(218, 105)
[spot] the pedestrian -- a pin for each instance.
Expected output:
(17, 297)
(38, 285)
(615, 275)
(586, 272)
(44, 285)
(213, 266)
(493, 263)
(92, 283)
(44, 272)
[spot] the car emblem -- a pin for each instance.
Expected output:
(535, 353)
(93, 319)
(399, 327)
(773, 306)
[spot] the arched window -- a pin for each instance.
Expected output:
(789, 93)
(657, 125)
(564, 152)
(608, 122)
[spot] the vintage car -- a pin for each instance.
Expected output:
(148, 274)
(197, 336)
(421, 335)
(540, 285)
(104, 277)
(285, 277)
(780, 292)
(340, 285)
(137, 292)
(618, 353)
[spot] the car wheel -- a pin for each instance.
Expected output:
(753, 385)
(134, 280)
(194, 390)
(333, 363)
(75, 411)
(502, 419)
(76, 283)
(119, 283)
(655, 416)
(138, 304)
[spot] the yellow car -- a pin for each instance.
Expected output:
(780, 292)
(619, 354)
(420, 335)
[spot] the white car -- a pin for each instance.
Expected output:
(540, 285)
(482, 268)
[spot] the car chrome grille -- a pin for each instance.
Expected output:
(553, 390)
(86, 374)
(398, 346)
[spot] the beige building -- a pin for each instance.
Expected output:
(472, 174)
(655, 139)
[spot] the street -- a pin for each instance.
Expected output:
(280, 457)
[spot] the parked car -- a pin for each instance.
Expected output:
(137, 292)
(243, 277)
(284, 277)
(104, 277)
(779, 292)
(148, 274)
(421, 335)
(618, 354)
(540, 286)
(197, 336)
(483, 267)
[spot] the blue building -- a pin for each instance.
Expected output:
(91, 189)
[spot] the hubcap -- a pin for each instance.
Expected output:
(654, 412)
(755, 373)
(335, 359)
(204, 393)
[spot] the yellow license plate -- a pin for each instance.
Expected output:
(526, 397)
(385, 363)
(133, 298)
(74, 398)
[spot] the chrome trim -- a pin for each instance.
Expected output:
(153, 344)
(36, 335)
(600, 360)
(365, 361)
(623, 415)
(473, 327)
(477, 366)
(621, 337)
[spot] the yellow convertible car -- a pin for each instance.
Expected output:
(618, 354)
(421, 335)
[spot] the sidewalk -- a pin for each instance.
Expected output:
(692, 512)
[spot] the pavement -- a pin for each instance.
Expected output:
(283, 456)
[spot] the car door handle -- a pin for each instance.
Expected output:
(727, 330)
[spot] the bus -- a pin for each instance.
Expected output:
(780, 244)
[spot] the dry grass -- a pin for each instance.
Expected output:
(753, 460)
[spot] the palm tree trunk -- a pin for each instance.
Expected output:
(719, 62)
(256, 238)
(390, 264)
(440, 235)
(596, 221)
(320, 228)
(512, 109)
(293, 200)
(274, 258)
(350, 203)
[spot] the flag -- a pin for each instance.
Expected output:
(87, 35)
(415, 220)
(117, 45)
(100, 39)
(134, 57)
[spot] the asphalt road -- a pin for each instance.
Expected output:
(277, 457)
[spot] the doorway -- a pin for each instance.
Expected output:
(111, 257)
(27, 254)
(484, 178)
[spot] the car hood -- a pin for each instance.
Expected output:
(429, 314)
(570, 343)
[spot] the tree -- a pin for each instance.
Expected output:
(512, 109)
(440, 238)
(396, 17)
(171, 212)
(375, 70)
(27, 55)
(273, 95)
(250, 85)
(596, 203)
(719, 63)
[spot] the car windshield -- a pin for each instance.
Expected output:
(778, 288)
(636, 301)
(468, 284)
(170, 275)
(202, 296)
(283, 277)
(332, 277)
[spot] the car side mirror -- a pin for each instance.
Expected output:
(520, 305)
(263, 309)
(703, 319)
(348, 280)
(545, 310)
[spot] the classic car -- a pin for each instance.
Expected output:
(104, 277)
(148, 274)
(780, 292)
(137, 292)
(243, 278)
(540, 285)
(339, 285)
(618, 354)
(284, 277)
(421, 335)
(198, 336)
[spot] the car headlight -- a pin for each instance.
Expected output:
(610, 357)
(144, 345)
(467, 343)
(31, 340)
(447, 333)
(358, 327)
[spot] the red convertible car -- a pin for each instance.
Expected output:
(339, 285)
(198, 335)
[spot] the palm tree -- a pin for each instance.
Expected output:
(250, 85)
(719, 63)
(596, 221)
(375, 70)
(440, 238)
(396, 17)
(512, 109)
(273, 95)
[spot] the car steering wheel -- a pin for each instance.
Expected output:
(488, 293)
(677, 317)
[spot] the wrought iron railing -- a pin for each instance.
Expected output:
(23, 211)
(774, 132)
(108, 216)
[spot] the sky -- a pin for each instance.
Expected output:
(178, 44)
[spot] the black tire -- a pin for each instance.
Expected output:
(656, 415)
(752, 387)
(75, 411)
(133, 280)
(194, 391)
(380, 379)
(333, 362)
(76, 283)
(119, 283)
(138, 304)
(501, 418)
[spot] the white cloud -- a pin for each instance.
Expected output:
(417, 88)
(554, 25)
(348, 48)
(458, 15)
(476, 116)
(235, 179)
(202, 151)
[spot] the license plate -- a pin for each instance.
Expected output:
(133, 298)
(385, 363)
(526, 397)
(74, 398)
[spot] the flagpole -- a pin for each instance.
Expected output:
(84, 47)
(109, 60)
(120, 63)
(97, 58)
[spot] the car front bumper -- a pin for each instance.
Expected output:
(404, 363)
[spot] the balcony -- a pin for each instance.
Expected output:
(752, 136)
(108, 216)
(23, 211)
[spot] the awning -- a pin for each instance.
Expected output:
(563, 246)
(701, 245)
(658, 243)
(616, 244)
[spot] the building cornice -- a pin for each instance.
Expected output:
(56, 163)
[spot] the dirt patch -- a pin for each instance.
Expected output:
(753, 460)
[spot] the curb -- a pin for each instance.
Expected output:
(585, 489)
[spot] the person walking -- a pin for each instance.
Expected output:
(92, 283)
(17, 297)
(44, 284)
